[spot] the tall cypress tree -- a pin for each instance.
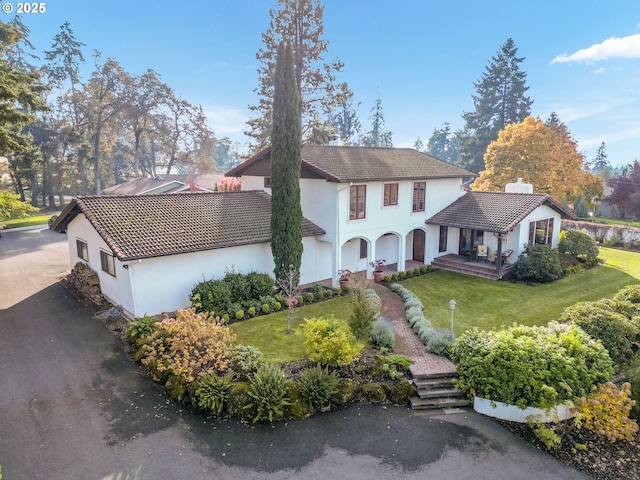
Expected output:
(286, 160)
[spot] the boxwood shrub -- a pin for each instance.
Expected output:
(538, 366)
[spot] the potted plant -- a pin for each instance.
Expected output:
(378, 269)
(345, 277)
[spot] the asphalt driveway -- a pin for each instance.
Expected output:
(72, 406)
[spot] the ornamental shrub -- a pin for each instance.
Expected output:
(245, 360)
(382, 335)
(605, 412)
(260, 284)
(308, 297)
(265, 308)
(320, 294)
(363, 311)
(211, 296)
(238, 286)
(239, 315)
(530, 366)
(328, 341)
(277, 307)
(251, 312)
(190, 345)
(614, 330)
(268, 393)
(212, 392)
(317, 386)
(578, 244)
(538, 264)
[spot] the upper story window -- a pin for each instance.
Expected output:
(108, 263)
(390, 194)
(357, 202)
(541, 231)
(82, 249)
(267, 182)
(419, 189)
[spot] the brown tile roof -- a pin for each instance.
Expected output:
(493, 211)
(361, 164)
(144, 226)
(175, 183)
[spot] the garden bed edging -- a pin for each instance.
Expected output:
(512, 413)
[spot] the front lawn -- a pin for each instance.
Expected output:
(35, 219)
(268, 332)
(486, 304)
(489, 304)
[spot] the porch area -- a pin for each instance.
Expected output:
(463, 264)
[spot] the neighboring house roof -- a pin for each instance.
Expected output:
(173, 183)
(358, 164)
(144, 226)
(496, 212)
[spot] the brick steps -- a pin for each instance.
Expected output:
(438, 393)
(476, 269)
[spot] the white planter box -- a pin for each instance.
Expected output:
(512, 413)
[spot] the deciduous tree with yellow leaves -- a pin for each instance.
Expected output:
(541, 155)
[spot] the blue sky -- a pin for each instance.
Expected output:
(582, 57)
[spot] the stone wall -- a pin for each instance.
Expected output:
(606, 234)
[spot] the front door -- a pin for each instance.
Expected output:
(418, 245)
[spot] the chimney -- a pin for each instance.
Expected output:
(519, 187)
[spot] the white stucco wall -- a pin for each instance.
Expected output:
(539, 213)
(163, 284)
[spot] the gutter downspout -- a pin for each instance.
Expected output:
(133, 290)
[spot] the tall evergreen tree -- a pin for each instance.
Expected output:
(499, 101)
(301, 23)
(286, 161)
(443, 144)
(600, 164)
(378, 136)
(346, 124)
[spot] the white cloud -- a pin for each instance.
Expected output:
(614, 47)
(599, 71)
(226, 121)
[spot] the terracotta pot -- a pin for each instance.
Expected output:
(344, 282)
(377, 276)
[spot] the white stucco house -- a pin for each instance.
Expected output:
(359, 205)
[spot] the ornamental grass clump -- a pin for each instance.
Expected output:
(268, 393)
(530, 366)
(317, 385)
(212, 392)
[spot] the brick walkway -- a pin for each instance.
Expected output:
(424, 364)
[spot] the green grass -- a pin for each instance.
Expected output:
(268, 332)
(34, 219)
(611, 221)
(488, 304)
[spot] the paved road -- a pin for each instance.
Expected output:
(72, 406)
